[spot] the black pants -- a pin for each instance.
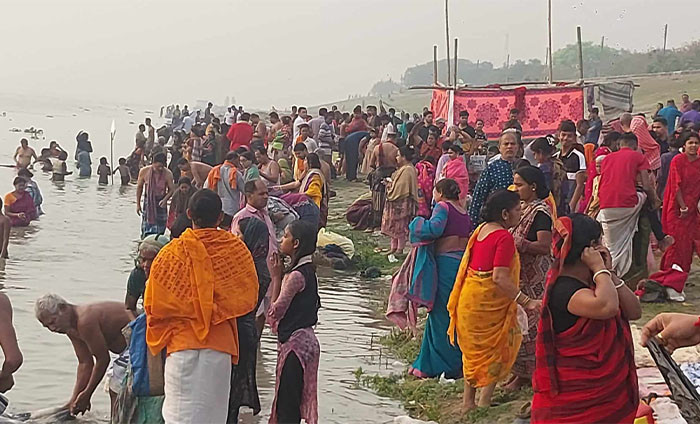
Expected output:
(653, 217)
(290, 390)
(352, 146)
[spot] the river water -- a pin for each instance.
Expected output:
(83, 250)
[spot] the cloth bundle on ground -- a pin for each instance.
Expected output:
(326, 237)
(281, 213)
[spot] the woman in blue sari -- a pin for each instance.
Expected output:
(440, 242)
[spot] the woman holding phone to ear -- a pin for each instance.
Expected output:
(585, 369)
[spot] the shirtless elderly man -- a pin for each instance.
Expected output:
(94, 329)
(24, 154)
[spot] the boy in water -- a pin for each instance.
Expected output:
(103, 171)
(123, 171)
(60, 170)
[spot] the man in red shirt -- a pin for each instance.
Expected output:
(240, 133)
(620, 202)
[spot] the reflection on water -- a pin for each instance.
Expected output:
(83, 249)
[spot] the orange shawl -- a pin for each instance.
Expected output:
(215, 175)
(198, 283)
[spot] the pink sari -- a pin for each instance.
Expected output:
(426, 176)
(456, 170)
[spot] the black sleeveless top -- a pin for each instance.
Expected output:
(303, 310)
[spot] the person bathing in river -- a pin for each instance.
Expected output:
(84, 164)
(24, 154)
(104, 171)
(60, 169)
(5, 225)
(123, 172)
(94, 330)
(8, 342)
(197, 171)
(158, 181)
(178, 204)
(19, 205)
(32, 189)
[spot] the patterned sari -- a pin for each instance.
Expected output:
(484, 321)
(533, 273)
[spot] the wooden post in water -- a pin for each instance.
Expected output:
(456, 56)
(580, 53)
(435, 66)
(549, 51)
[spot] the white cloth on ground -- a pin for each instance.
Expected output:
(619, 226)
(197, 386)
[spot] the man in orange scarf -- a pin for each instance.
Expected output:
(227, 181)
(198, 285)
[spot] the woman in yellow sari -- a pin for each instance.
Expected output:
(484, 301)
(313, 184)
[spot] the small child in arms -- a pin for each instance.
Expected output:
(61, 169)
(123, 171)
(103, 171)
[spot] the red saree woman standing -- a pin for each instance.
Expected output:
(681, 218)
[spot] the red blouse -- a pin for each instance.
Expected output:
(496, 250)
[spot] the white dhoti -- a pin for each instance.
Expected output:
(619, 226)
(197, 387)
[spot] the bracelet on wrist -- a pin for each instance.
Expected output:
(620, 284)
(602, 271)
(685, 209)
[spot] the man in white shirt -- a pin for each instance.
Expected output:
(230, 117)
(187, 124)
(301, 119)
(304, 132)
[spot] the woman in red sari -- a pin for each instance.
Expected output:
(585, 371)
(680, 217)
(19, 205)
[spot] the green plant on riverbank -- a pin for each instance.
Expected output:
(431, 399)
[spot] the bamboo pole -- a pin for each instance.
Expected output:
(435, 65)
(456, 57)
(549, 51)
(665, 35)
(447, 41)
(580, 53)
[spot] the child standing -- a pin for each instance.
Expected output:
(293, 314)
(103, 171)
(60, 169)
(123, 169)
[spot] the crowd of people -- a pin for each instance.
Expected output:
(523, 252)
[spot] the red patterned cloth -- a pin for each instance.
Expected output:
(541, 109)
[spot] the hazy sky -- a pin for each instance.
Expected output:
(280, 52)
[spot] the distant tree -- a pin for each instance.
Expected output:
(383, 88)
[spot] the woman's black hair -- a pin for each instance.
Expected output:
(610, 139)
(455, 148)
(313, 160)
(687, 135)
(584, 231)
(407, 152)
(18, 180)
(307, 235)
(205, 208)
(542, 145)
(496, 203)
(533, 175)
(248, 156)
(184, 180)
(448, 188)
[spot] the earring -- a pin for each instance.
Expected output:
(533, 188)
